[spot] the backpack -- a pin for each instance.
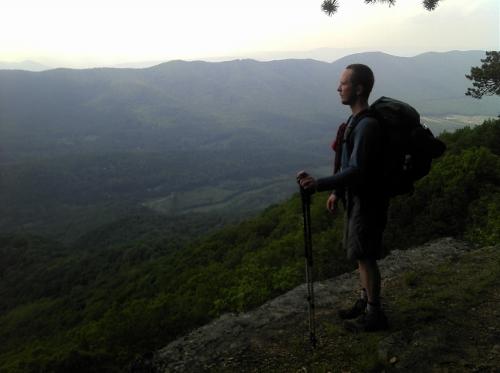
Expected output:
(408, 146)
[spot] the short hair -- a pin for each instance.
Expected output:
(362, 75)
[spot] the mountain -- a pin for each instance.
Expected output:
(81, 148)
(180, 105)
(24, 65)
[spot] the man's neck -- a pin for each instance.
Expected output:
(359, 106)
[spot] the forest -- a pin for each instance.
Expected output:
(131, 286)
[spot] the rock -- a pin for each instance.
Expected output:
(233, 334)
(391, 345)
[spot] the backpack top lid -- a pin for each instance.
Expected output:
(395, 113)
(403, 121)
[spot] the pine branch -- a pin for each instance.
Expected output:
(485, 79)
(430, 4)
(330, 6)
(391, 2)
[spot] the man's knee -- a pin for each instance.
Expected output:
(367, 264)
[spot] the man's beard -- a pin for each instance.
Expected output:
(351, 99)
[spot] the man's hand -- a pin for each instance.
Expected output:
(331, 203)
(306, 182)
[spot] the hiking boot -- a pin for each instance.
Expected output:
(372, 321)
(356, 310)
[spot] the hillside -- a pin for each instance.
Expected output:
(440, 298)
(83, 148)
(131, 287)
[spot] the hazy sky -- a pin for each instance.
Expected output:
(106, 32)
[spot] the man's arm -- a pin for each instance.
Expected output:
(366, 142)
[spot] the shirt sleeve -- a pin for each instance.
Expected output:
(366, 140)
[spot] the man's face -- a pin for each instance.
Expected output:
(346, 89)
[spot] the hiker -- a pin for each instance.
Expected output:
(356, 183)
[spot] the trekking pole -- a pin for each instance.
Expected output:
(306, 212)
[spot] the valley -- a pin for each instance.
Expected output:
(84, 148)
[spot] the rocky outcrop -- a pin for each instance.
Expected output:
(225, 341)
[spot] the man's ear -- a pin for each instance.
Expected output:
(359, 90)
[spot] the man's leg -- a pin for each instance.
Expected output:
(369, 275)
(370, 290)
(374, 318)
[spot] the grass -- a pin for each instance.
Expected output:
(442, 319)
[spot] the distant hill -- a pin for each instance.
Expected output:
(24, 65)
(79, 148)
(186, 105)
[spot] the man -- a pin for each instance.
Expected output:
(358, 185)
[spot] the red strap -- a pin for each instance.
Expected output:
(340, 135)
(337, 146)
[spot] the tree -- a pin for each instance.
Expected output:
(331, 6)
(485, 79)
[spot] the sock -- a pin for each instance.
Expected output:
(363, 294)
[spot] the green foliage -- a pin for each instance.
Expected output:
(115, 302)
(486, 79)
(486, 135)
(484, 220)
(455, 197)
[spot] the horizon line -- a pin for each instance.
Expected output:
(146, 64)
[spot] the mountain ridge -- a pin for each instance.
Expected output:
(302, 89)
(29, 65)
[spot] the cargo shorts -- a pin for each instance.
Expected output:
(365, 221)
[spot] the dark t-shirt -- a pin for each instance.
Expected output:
(359, 156)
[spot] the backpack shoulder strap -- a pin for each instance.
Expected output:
(343, 136)
(353, 123)
(337, 147)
